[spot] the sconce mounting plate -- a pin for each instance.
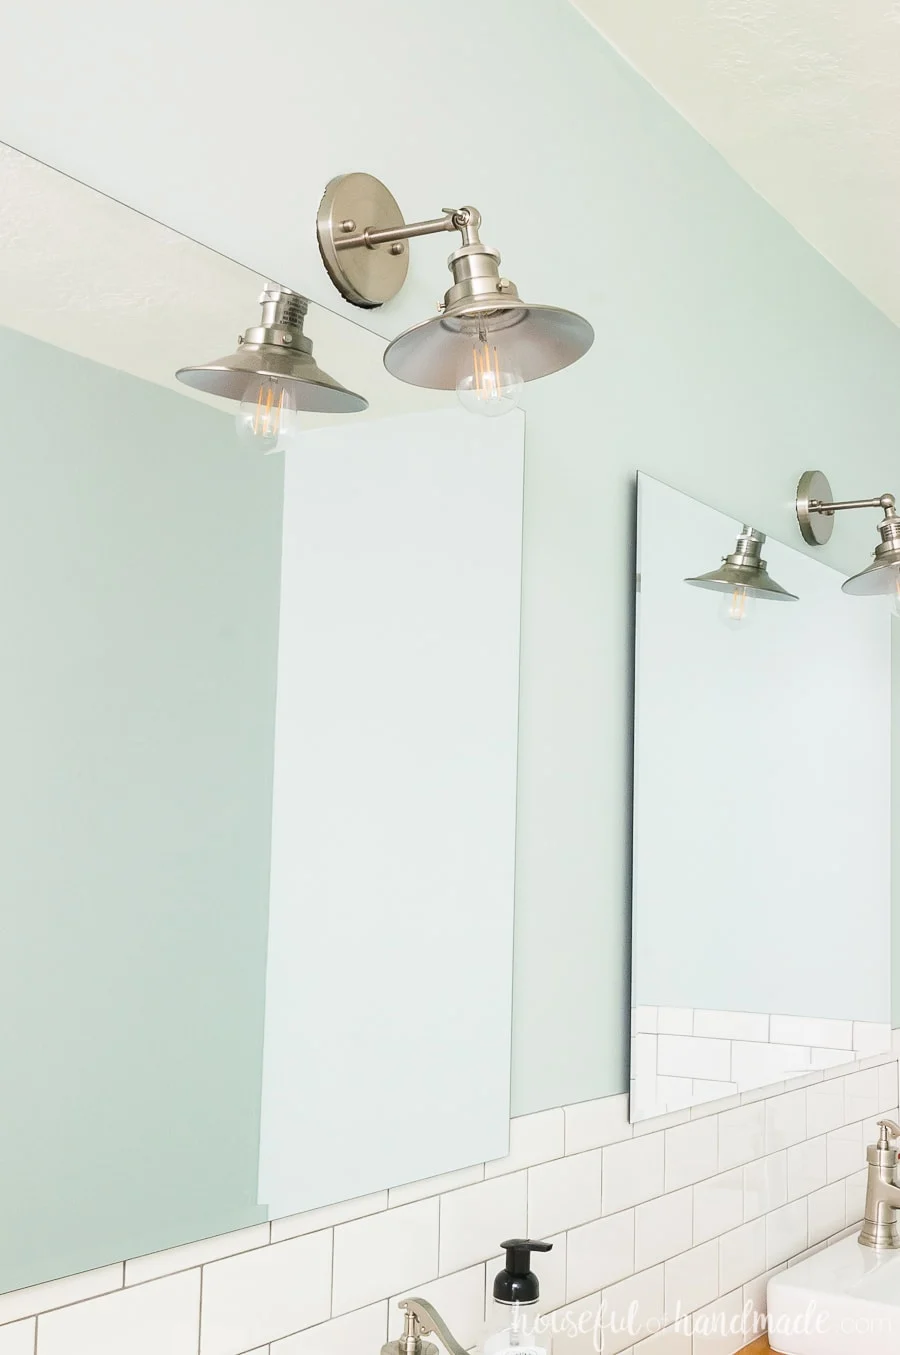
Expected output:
(815, 528)
(370, 275)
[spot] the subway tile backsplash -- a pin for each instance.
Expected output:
(689, 1213)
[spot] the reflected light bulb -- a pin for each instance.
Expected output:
(895, 596)
(736, 607)
(267, 418)
(490, 385)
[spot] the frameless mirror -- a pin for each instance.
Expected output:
(259, 761)
(761, 883)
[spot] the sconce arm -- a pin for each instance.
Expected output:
(885, 501)
(466, 220)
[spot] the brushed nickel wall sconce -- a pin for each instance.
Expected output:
(816, 508)
(486, 342)
(273, 374)
(741, 577)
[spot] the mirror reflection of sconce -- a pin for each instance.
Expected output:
(486, 342)
(816, 508)
(742, 577)
(273, 374)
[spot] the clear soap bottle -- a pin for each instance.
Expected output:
(513, 1327)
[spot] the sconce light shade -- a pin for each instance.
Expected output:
(880, 577)
(279, 351)
(746, 570)
(536, 340)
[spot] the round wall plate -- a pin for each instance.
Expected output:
(351, 204)
(815, 528)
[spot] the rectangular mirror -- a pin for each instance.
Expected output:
(259, 766)
(761, 887)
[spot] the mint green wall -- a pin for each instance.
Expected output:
(140, 556)
(729, 355)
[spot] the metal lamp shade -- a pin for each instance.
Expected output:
(882, 576)
(755, 581)
(537, 340)
(311, 388)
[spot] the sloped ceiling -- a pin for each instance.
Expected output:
(801, 97)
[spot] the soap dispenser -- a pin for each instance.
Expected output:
(512, 1327)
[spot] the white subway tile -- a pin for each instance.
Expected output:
(845, 1151)
(691, 1152)
(459, 1298)
(673, 1094)
(662, 1228)
(887, 1086)
(383, 1254)
(675, 1020)
(811, 1030)
(691, 1279)
(156, 1264)
(742, 1254)
(742, 1135)
(532, 1139)
(633, 1305)
(364, 1330)
(705, 1108)
(718, 1204)
(576, 1327)
(718, 1328)
(765, 1090)
(476, 1219)
(643, 1020)
(755, 1303)
(655, 1123)
(870, 1037)
(38, 1298)
(670, 1341)
(599, 1254)
(18, 1338)
(861, 1095)
(592, 1124)
(765, 1185)
(314, 1220)
(785, 1120)
(435, 1185)
(732, 1025)
(643, 1057)
(691, 1056)
(632, 1172)
(833, 1062)
(807, 1167)
(785, 1232)
(564, 1193)
(824, 1107)
(855, 1197)
(266, 1294)
(551, 1269)
(763, 1065)
(895, 1040)
(827, 1212)
(163, 1315)
(804, 1255)
(706, 1090)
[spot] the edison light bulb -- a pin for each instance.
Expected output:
(490, 385)
(736, 607)
(267, 418)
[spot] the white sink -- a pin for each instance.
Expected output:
(845, 1300)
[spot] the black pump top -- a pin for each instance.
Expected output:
(518, 1282)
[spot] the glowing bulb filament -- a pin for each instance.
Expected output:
(738, 605)
(268, 418)
(486, 371)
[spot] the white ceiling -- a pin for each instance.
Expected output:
(81, 271)
(801, 97)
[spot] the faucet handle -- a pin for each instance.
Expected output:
(888, 1131)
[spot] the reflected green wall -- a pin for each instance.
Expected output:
(140, 553)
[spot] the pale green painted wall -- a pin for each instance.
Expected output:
(140, 551)
(729, 355)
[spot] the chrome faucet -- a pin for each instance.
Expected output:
(880, 1228)
(421, 1320)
